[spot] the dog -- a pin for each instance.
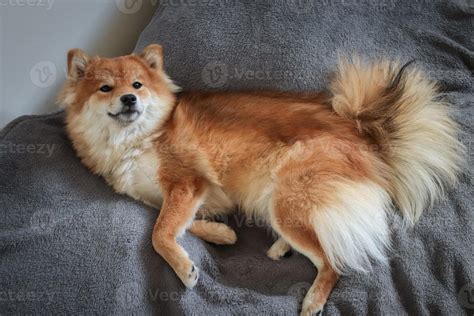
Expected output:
(324, 170)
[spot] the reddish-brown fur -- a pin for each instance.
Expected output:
(292, 159)
(238, 133)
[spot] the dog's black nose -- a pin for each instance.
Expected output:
(128, 99)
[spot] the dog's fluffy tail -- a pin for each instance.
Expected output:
(399, 110)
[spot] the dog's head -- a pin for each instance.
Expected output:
(125, 93)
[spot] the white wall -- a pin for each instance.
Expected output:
(35, 36)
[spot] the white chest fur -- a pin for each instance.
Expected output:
(136, 175)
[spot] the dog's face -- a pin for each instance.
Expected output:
(120, 88)
(117, 93)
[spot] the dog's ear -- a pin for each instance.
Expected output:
(153, 56)
(77, 61)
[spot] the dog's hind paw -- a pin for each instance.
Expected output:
(279, 249)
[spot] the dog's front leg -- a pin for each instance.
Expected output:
(181, 201)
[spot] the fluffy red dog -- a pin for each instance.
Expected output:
(323, 170)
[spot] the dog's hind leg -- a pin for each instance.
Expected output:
(339, 224)
(213, 232)
(300, 235)
(299, 193)
(279, 249)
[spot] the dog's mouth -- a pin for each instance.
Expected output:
(127, 116)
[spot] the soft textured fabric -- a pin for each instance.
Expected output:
(69, 244)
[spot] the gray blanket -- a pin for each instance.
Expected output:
(69, 244)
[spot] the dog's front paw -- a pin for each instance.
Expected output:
(311, 306)
(189, 276)
(312, 311)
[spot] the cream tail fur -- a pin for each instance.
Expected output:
(355, 228)
(400, 110)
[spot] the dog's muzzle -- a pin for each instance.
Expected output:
(130, 111)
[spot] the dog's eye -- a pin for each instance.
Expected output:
(105, 88)
(137, 85)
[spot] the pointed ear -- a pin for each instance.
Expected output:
(153, 56)
(77, 61)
